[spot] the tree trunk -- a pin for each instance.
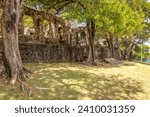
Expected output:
(91, 31)
(11, 54)
(114, 49)
(129, 45)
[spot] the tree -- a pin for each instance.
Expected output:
(11, 55)
(140, 6)
(141, 52)
(84, 11)
(111, 19)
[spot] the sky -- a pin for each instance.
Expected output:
(148, 43)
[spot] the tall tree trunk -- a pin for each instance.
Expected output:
(91, 31)
(129, 45)
(11, 54)
(114, 49)
(128, 51)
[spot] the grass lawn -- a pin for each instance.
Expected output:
(77, 81)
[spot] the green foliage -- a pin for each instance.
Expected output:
(142, 51)
(145, 8)
(111, 16)
(28, 21)
(47, 4)
(45, 22)
(118, 18)
(31, 2)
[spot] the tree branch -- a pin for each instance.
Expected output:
(59, 9)
(1, 3)
(69, 2)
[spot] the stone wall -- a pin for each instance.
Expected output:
(31, 52)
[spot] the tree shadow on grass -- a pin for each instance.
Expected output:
(114, 89)
(70, 84)
(67, 84)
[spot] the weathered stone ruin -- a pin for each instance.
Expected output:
(54, 42)
(51, 39)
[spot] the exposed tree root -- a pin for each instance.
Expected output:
(21, 75)
(21, 78)
(91, 63)
(27, 71)
(30, 89)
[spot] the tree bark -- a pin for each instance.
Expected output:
(91, 31)
(114, 49)
(129, 45)
(11, 54)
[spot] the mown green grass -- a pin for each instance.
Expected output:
(76, 81)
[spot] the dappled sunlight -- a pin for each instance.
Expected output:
(2, 94)
(83, 84)
(75, 81)
(55, 75)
